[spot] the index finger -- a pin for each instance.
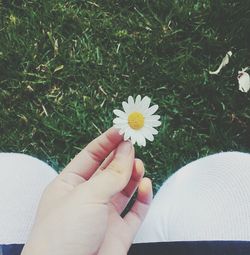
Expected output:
(89, 159)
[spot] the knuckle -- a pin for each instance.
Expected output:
(116, 168)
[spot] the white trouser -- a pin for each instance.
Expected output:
(22, 181)
(208, 199)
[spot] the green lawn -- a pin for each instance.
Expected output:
(65, 65)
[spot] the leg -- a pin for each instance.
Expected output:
(22, 181)
(208, 199)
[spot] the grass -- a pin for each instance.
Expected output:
(65, 65)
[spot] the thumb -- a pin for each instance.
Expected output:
(114, 177)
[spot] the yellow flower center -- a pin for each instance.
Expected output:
(136, 120)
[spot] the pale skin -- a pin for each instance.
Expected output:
(79, 213)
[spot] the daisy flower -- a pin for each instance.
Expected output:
(137, 121)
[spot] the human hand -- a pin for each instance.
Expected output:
(79, 213)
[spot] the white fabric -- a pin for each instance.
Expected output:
(22, 181)
(208, 199)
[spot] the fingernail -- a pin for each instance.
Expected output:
(124, 148)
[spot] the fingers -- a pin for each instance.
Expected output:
(88, 160)
(100, 188)
(139, 210)
(121, 200)
(105, 163)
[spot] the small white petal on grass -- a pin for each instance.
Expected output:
(223, 63)
(244, 69)
(243, 80)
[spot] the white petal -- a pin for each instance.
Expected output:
(133, 138)
(127, 135)
(138, 140)
(153, 131)
(117, 127)
(125, 106)
(244, 81)
(153, 118)
(144, 142)
(156, 123)
(120, 121)
(147, 134)
(122, 131)
(138, 100)
(151, 110)
(120, 113)
(223, 63)
(145, 102)
(131, 101)
(134, 108)
(141, 140)
(137, 137)
(120, 126)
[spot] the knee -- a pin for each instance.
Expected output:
(209, 195)
(17, 165)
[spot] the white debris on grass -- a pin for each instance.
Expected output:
(223, 63)
(243, 80)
